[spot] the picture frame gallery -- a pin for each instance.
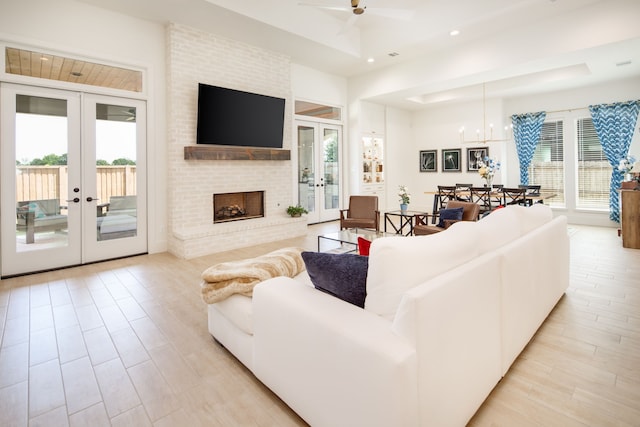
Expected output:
(451, 159)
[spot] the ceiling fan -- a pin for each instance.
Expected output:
(359, 7)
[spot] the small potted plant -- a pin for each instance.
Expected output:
(296, 211)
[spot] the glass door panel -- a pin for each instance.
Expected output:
(116, 172)
(331, 168)
(41, 172)
(306, 170)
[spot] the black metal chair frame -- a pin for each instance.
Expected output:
(482, 197)
(514, 196)
(445, 193)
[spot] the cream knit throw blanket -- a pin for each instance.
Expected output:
(239, 277)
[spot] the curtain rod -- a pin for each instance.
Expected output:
(586, 108)
(567, 110)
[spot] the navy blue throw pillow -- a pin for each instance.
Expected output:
(342, 275)
(453, 213)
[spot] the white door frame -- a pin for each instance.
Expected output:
(321, 213)
(81, 244)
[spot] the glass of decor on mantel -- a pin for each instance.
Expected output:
(405, 197)
(487, 168)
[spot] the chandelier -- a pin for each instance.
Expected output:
(484, 139)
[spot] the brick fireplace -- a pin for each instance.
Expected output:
(193, 179)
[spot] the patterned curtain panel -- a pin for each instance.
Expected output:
(526, 134)
(614, 124)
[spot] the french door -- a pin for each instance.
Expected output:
(319, 148)
(73, 178)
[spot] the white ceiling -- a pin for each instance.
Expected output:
(514, 46)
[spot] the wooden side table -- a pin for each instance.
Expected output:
(630, 218)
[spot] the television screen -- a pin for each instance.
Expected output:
(233, 117)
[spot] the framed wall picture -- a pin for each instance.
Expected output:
(451, 159)
(474, 156)
(428, 160)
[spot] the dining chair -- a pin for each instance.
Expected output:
(496, 194)
(463, 188)
(514, 196)
(482, 197)
(445, 194)
(530, 190)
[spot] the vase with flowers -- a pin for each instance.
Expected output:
(405, 197)
(487, 168)
(627, 167)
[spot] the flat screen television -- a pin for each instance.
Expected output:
(233, 117)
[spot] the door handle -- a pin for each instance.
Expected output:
(91, 199)
(74, 200)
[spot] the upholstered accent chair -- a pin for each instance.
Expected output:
(362, 213)
(470, 212)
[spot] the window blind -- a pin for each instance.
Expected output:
(547, 166)
(594, 170)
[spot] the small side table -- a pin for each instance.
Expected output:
(407, 220)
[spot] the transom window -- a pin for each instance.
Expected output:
(53, 67)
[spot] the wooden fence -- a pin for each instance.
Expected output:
(593, 182)
(51, 182)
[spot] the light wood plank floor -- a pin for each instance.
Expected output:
(125, 343)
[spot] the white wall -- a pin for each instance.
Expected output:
(312, 85)
(81, 30)
(325, 89)
(401, 160)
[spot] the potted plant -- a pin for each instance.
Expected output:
(405, 197)
(296, 211)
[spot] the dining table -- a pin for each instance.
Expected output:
(540, 197)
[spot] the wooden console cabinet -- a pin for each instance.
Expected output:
(630, 219)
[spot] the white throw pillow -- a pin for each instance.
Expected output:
(397, 264)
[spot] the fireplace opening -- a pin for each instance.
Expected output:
(238, 206)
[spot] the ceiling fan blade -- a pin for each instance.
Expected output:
(400, 14)
(348, 25)
(326, 6)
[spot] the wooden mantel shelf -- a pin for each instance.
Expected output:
(220, 152)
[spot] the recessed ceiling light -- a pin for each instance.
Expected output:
(44, 58)
(454, 32)
(623, 63)
(76, 74)
(370, 60)
(393, 54)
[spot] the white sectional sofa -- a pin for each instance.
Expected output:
(445, 317)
